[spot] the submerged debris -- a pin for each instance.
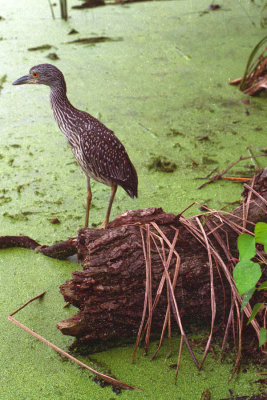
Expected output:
(95, 39)
(162, 164)
(215, 7)
(41, 48)
(73, 32)
(52, 56)
(90, 4)
(220, 175)
(99, 3)
(54, 221)
(212, 7)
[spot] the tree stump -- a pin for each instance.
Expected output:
(110, 289)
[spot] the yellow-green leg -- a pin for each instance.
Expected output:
(88, 202)
(113, 192)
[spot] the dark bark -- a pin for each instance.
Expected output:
(60, 250)
(110, 289)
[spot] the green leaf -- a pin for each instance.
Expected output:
(263, 336)
(261, 234)
(246, 274)
(246, 246)
(257, 307)
(263, 286)
(247, 297)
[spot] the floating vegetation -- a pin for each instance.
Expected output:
(94, 40)
(255, 76)
(4, 199)
(162, 164)
(175, 132)
(2, 81)
(43, 47)
(208, 161)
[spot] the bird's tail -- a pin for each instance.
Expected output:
(131, 185)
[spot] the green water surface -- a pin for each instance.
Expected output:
(162, 86)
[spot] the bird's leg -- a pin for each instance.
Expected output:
(88, 202)
(113, 192)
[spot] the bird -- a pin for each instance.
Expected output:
(97, 150)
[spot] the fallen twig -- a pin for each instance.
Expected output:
(105, 378)
(219, 176)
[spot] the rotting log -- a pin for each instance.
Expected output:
(109, 292)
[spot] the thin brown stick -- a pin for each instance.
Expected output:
(178, 318)
(159, 291)
(145, 305)
(236, 179)
(27, 302)
(212, 294)
(229, 321)
(162, 257)
(236, 300)
(239, 352)
(169, 326)
(179, 358)
(256, 193)
(191, 227)
(149, 287)
(51, 8)
(167, 316)
(234, 291)
(217, 177)
(106, 378)
(221, 213)
(172, 297)
(247, 204)
(187, 208)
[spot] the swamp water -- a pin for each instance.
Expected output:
(162, 85)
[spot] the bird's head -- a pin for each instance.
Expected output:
(45, 74)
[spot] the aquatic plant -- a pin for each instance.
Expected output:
(254, 79)
(247, 273)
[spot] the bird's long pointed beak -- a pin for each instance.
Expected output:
(23, 80)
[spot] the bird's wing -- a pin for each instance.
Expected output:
(105, 155)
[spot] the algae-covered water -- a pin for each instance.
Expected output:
(162, 86)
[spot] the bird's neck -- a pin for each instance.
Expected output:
(60, 105)
(58, 97)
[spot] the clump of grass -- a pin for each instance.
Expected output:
(254, 79)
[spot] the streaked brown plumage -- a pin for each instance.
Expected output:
(98, 151)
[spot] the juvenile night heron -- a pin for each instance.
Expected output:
(98, 151)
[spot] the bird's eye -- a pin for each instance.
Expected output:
(35, 74)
